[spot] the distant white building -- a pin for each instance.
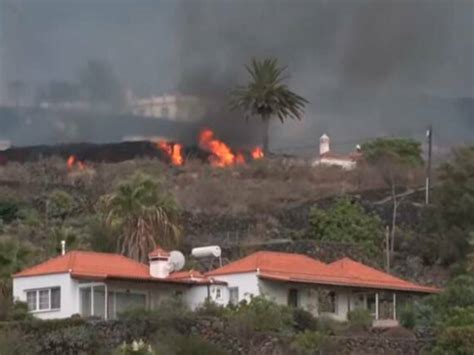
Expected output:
(173, 107)
(326, 157)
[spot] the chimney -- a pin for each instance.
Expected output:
(159, 263)
(324, 144)
(63, 247)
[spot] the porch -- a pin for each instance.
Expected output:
(337, 302)
(108, 299)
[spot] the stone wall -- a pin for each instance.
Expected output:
(77, 336)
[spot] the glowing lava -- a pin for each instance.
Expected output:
(257, 153)
(173, 150)
(72, 161)
(222, 155)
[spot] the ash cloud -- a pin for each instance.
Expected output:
(368, 67)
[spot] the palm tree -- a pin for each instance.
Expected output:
(267, 96)
(144, 214)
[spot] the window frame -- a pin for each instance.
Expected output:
(37, 292)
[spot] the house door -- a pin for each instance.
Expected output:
(293, 297)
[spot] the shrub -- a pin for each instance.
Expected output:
(407, 316)
(171, 313)
(360, 318)
(261, 315)
(211, 309)
(194, 345)
(8, 211)
(455, 341)
(12, 342)
(80, 338)
(347, 222)
(304, 320)
(310, 342)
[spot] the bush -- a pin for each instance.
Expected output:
(194, 345)
(211, 309)
(407, 316)
(360, 318)
(61, 341)
(347, 222)
(310, 342)
(455, 341)
(171, 313)
(12, 342)
(261, 315)
(304, 320)
(8, 211)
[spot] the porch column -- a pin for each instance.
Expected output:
(394, 306)
(376, 306)
(106, 302)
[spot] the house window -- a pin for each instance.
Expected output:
(45, 299)
(233, 295)
(293, 297)
(92, 301)
(218, 293)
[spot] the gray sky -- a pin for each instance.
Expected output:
(368, 67)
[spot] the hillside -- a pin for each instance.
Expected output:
(264, 204)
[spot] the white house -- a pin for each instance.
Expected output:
(103, 285)
(326, 157)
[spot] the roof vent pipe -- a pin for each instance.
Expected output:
(63, 247)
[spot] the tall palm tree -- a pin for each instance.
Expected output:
(267, 96)
(145, 215)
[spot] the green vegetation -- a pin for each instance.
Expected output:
(267, 96)
(347, 222)
(360, 318)
(103, 207)
(144, 214)
(401, 150)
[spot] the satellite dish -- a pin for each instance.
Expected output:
(176, 260)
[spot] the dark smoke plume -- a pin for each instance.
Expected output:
(368, 67)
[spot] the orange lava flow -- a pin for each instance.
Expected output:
(173, 150)
(257, 153)
(72, 162)
(222, 155)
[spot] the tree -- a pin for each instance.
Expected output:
(404, 150)
(449, 224)
(267, 96)
(13, 256)
(347, 222)
(145, 214)
(393, 158)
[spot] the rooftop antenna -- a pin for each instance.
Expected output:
(63, 247)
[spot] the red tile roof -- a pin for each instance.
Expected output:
(86, 264)
(270, 261)
(301, 268)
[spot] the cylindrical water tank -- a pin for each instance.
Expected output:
(206, 252)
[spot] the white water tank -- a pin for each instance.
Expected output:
(207, 252)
